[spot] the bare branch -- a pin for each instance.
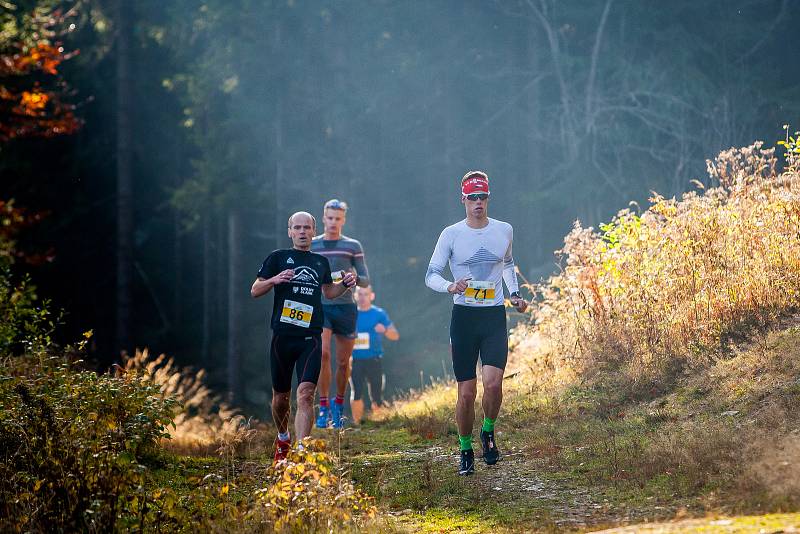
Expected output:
(593, 69)
(767, 33)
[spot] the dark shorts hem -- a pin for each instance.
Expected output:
(341, 319)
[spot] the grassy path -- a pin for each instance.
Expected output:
(415, 480)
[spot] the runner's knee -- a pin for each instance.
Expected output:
(493, 388)
(467, 394)
(326, 356)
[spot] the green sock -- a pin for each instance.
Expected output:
(488, 424)
(466, 442)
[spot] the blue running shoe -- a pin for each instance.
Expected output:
(336, 415)
(324, 417)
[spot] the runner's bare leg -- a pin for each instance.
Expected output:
(344, 350)
(305, 409)
(280, 410)
(492, 390)
(465, 406)
(324, 383)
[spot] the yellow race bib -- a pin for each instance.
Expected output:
(479, 292)
(296, 313)
(362, 341)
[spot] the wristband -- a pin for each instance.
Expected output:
(515, 294)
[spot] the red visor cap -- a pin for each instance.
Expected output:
(475, 184)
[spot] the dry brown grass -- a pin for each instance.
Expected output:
(776, 470)
(682, 280)
(206, 424)
(682, 318)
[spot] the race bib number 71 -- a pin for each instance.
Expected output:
(479, 292)
(296, 313)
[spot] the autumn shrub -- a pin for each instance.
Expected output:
(72, 443)
(307, 493)
(650, 293)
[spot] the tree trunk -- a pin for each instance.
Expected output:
(123, 16)
(280, 218)
(235, 288)
(206, 335)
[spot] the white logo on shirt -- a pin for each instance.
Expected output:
(290, 260)
(306, 276)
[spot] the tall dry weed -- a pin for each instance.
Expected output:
(205, 423)
(676, 283)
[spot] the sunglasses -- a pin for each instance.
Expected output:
(477, 196)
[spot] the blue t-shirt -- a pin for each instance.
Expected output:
(369, 342)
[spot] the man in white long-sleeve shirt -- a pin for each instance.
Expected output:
(478, 252)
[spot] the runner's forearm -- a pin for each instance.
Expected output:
(361, 270)
(510, 277)
(261, 287)
(435, 280)
(509, 269)
(331, 291)
(392, 334)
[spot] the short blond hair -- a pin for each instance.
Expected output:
(335, 204)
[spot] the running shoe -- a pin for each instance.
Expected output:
(324, 417)
(336, 415)
(490, 452)
(281, 449)
(467, 466)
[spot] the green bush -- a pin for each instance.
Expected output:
(25, 324)
(72, 443)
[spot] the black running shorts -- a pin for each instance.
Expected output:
(477, 331)
(341, 318)
(303, 353)
(367, 371)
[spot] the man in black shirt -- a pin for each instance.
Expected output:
(300, 278)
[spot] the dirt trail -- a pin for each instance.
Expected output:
(520, 483)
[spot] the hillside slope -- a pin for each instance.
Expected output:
(658, 378)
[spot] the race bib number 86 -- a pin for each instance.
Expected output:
(479, 292)
(296, 313)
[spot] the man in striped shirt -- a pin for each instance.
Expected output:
(344, 255)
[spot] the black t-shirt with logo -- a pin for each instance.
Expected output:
(298, 303)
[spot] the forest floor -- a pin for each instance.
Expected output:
(686, 460)
(715, 451)
(415, 482)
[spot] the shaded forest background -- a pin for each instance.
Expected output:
(206, 123)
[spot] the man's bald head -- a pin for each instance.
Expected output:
(301, 229)
(301, 217)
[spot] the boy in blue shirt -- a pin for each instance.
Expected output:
(373, 323)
